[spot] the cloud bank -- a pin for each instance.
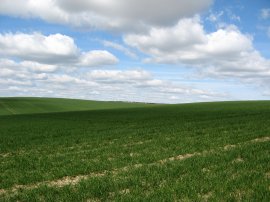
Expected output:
(226, 52)
(52, 49)
(119, 15)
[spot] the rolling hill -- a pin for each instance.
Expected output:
(9, 106)
(189, 152)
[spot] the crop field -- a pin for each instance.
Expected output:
(104, 151)
(13, 106)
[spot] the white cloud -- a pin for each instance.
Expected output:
(69, 80)
(6, 72)
(139, 81)
(265, 13)
(226, 52)
(42, 52)
(164, 40)
(18, 78)
(105, 14)
(37, 67)
(97, 58)
(25, 70)
(118, 76)
(9, 82)
(54, 48)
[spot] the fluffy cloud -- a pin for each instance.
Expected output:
(52, 49)
(168, 40)
(105, 14)
(49, 49)
(225, 52)
(97, 58)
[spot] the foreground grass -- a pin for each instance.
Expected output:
(193, 152)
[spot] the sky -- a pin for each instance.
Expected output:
(160, 51)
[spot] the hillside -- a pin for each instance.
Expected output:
(9, 106)
(189, 152)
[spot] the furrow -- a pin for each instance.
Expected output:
(73, 180)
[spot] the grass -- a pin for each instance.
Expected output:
(189, 152)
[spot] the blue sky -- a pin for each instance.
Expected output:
(171, 51)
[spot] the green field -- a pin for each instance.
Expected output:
(134, 152)
(14, 106)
